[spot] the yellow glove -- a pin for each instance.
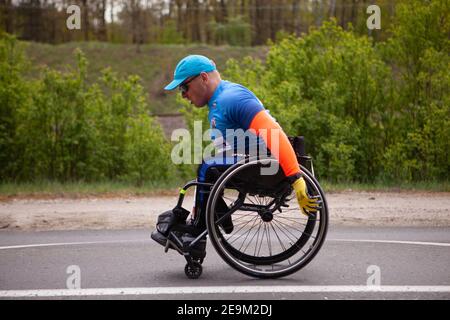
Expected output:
(307, 205)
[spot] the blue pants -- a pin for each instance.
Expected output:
(209, 171)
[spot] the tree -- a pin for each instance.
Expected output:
(7, 16)
(101, 20)
(31, 14)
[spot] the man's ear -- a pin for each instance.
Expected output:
(205, 76)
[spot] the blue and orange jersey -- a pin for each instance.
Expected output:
(237, 115)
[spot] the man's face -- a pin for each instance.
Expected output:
(195, 90)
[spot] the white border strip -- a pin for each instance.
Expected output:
(439, 244)
(65, 244)
(421, 243)
(216, 290)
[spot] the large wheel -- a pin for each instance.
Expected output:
(270, 237)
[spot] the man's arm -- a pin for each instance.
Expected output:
(272, 135)
(266, 127)
(250, 114)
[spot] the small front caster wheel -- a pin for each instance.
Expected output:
(193, 270)
(200, 260)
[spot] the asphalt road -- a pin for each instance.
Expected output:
(410, 263)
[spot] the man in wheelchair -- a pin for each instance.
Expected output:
(232, 108)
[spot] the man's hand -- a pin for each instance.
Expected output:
(307, 205)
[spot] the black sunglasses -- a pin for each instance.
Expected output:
(184, 86)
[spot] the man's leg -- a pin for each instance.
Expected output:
(209, 171)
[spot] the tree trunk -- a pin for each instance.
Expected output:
(85, 20)
(296, 13)
(332, 10)
(102, 34)
(111, 4)
(223, 10)
(180, 25)
(342, 19)
(262, 20)
(195, 26)
(354, 16)
(7, 15)
(243, 10)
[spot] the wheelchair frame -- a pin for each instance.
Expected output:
(193, 268)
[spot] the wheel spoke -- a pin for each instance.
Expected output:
(257, 232)
(278, 237)
(292, 220)
(309, 235)
(262, 239)
(268, 239)
(298, 218)
(241, 229)
(289, 227)
(294, 242)
(257, 238)
(247, 233)
(287, 236)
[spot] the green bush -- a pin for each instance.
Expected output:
(329, 86)
(59, 128)
(168, 34)
(146, 153)
(368, 112)
(419, 49)
(14, 95)
(52, 129)
(235, 32)
(191, 115)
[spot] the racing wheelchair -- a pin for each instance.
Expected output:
(269, 236)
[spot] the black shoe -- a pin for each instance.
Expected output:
(198, 251)
(227, 224)
(167, 220)
(160, 238)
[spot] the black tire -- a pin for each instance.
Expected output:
(298, 245)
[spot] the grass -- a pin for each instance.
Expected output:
(422, 186)
(49, 189)
(154, 64)
(74, 190)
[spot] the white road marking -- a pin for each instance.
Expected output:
(421, 243)
(64, 244)
(439, 244)
(217, 290)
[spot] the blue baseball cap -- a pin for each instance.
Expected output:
(188, 67)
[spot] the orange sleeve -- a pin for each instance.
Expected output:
(277, 142)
